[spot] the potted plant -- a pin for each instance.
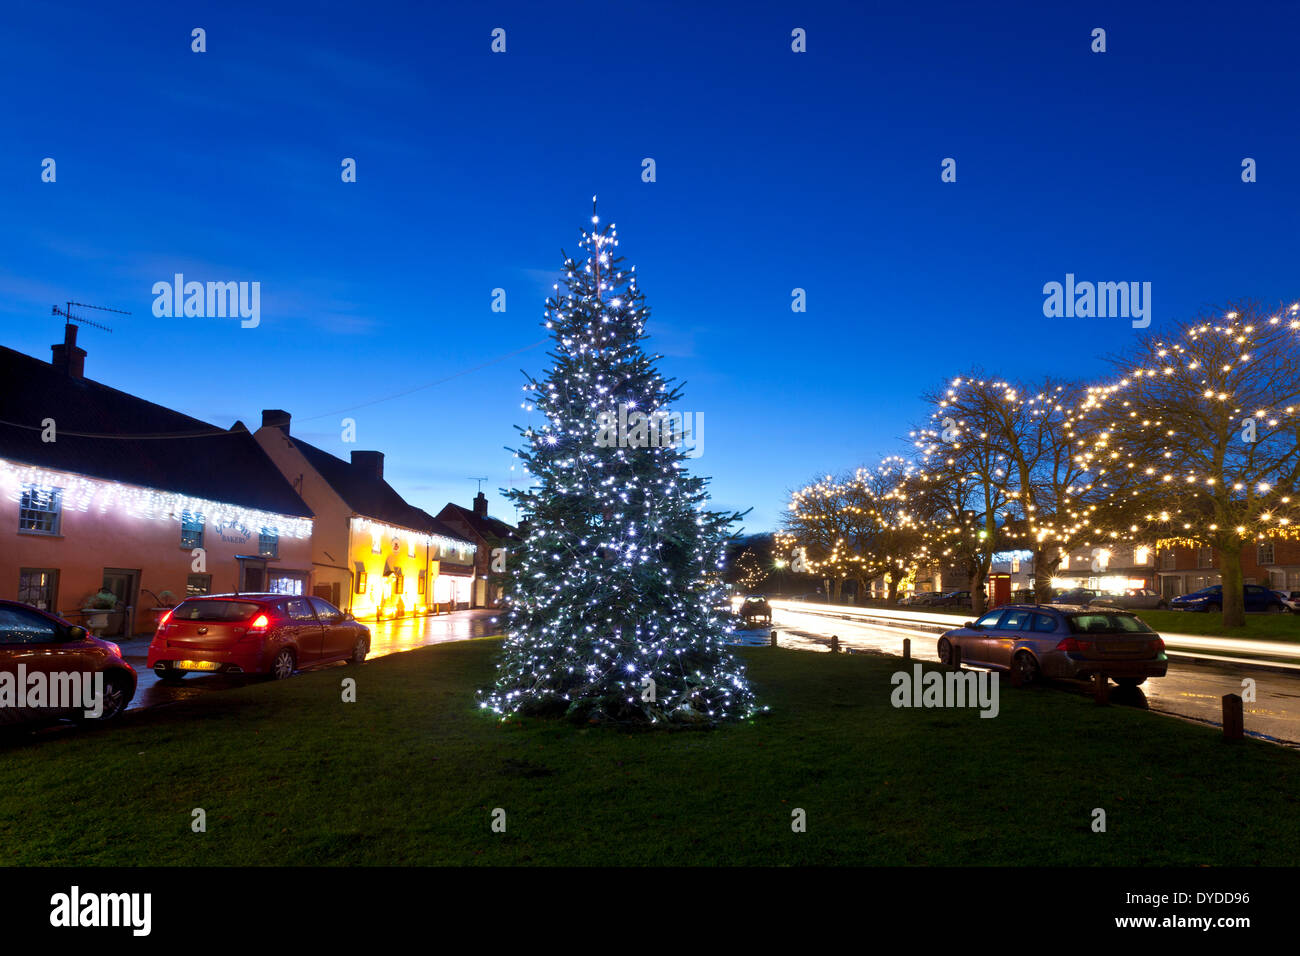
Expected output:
(95, 609)
(166, 601)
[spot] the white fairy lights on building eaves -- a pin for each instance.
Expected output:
(83, 494)
(386, 532)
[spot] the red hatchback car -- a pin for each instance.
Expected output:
(33, 642)
(271, 634)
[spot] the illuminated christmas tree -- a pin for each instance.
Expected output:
(616, 609)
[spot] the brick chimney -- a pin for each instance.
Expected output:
(369, 463)
(276, 418)
(67, 356)
(480, 505)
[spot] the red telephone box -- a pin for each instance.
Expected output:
(999, 589)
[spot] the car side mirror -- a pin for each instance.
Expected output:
(347, 616)
(77, 633)
(972, 625)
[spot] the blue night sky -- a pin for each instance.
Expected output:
(775, 170)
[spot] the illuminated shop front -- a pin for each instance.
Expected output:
(392, 567)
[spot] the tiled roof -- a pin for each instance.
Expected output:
(370, 496)
(488, 527)
(180, 454)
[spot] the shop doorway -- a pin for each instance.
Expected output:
(252, 574)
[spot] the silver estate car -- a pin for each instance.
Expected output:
(1060, 641)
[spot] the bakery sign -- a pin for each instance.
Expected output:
(233, 533)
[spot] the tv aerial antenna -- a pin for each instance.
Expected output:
(69, 318)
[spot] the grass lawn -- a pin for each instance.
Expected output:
(1271, 627)
(411, 773)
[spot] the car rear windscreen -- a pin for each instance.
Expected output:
(1101, 623)
(214, 611)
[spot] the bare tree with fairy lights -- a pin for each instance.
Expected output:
(616, 610)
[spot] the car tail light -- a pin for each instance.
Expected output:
(1159, 645)
(114, 649)
(1071, 645)
(162, 621)
(259, 624)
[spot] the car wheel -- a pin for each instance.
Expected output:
(945, 651)
(1130, 681)
(1026, 668)
(359, 651)
(282, 666)
(114, 701)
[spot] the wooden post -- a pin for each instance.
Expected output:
(1100, 689)
(1233, 721)
(772, 638)
(835, 643)
(907, 648)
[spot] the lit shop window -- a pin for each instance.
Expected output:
(191, 530)
(283, 584)
(268, 543)
(40, 510)
(197, 584)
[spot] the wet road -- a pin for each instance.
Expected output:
(1191, 690)
(386, 637)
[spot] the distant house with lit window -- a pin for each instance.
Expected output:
(101, 491)
(490, 536)
(372, 552)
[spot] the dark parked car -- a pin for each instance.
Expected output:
(1257, 598)
(273, 634)
(1132, 599)
(755, 610)
(1059, 641)
(952, 599)
(38, 641)
(1080, 596)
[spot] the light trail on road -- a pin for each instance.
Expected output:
(1190, 690)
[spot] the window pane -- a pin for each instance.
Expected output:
(1014, 620)
(39, 509)
(191, 530)
(37, 587)
(200, 610)
(324, 610)
(23, 627)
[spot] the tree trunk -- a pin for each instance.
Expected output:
(977, 579)
(1045, 569)
(892, 584)
(1234, 590)
(834, 593)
